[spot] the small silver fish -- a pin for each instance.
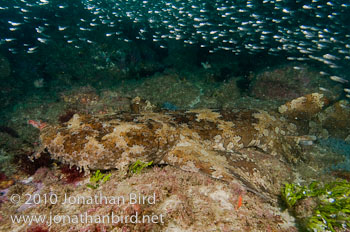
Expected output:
(338, 79)
(43, 40)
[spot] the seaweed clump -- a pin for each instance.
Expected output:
(98, 178)
(320, 207)
(138, 166)
(71, 174)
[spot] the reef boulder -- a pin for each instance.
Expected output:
(291, 81)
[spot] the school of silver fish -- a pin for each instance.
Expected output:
(315, 31)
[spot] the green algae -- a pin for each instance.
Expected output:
(138, 166)
(332, 208)
(98, 178)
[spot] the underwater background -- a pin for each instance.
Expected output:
(256, 90)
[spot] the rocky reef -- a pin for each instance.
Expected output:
(227, 166)
(287, 82)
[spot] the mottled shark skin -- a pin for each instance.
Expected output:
(246, 145)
